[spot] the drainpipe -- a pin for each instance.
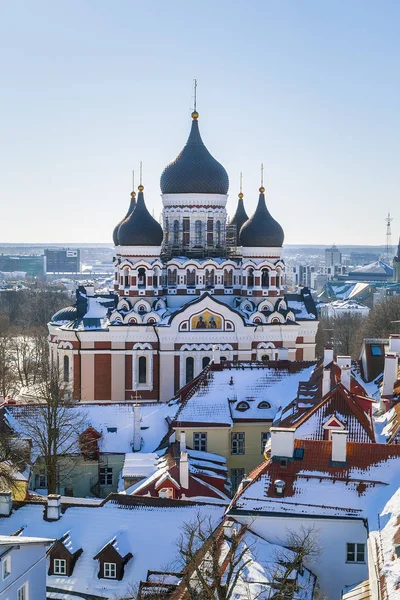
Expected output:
(159, 362)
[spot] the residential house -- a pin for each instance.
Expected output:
(335, 487)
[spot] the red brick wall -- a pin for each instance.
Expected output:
(299, 354)
(77, 377)
(128, 372)
(176, 372)
(102, 377)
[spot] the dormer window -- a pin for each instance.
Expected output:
(110, 570)
(60, 566)
(264, 405)
(243, 406)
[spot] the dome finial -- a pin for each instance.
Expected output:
(141, 186)
(241, 186)
(195, 114)
(262, 188)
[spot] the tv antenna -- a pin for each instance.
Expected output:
(388, 221)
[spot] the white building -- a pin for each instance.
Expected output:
(333, 257)
(182, 291)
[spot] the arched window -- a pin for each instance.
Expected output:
(172, 273)
(166, 230)
(242, 406)
(190, 278)
(189, 368)
(228, 280)
(66, 368)
(142, 277)
(205, 361)
(265, 278)
(142, 369)
(218, 232)
(126, 277)
(142, 308)
(265, 357)
(209, 278)
(176, 232)
(155, 277)
(198, 233)
(223, 358)
(264, 404)
(250, 278)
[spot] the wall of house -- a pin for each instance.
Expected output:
(331, 568)
(82, 476)
(19, 490)
(31, 557)
(219, 442)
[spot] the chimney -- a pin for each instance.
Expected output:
(339, 442)
(345, 376)
(89, 289)
(182, 441)
(390, 373)
(282, 441)
(5, 504)
(343, 361)
(326, 382)
(216, 354)
(394, 343)
(53, 507)
(328, 355)
(279, 486)
(137, 437)
(184, 470)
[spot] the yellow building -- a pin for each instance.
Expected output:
(229, 409)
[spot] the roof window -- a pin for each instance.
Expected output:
(112, 430)
(264, 404)
(243, 406)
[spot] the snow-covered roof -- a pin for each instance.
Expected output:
(315, 485)
(219, 395)
(138, 464)
(138, 524)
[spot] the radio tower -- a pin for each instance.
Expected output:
(388, 221)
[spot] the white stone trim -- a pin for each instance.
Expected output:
(254, 252)
(194, 200)
(138, 251)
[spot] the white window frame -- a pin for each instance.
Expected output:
(265, 437)
(238, 442)
(110, 567)
(60, 566)
(200, 440)
(23, 592)
(6, 567)
(355, 552)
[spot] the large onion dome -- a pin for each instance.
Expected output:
(261, 230)
(240, 217)
(139, 227)
(194, 171)
(131, 208)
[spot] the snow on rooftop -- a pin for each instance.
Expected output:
(218, 400)
(140, 528)
(137, 464)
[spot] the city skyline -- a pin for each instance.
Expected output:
(308, 90)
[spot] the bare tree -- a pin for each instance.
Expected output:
(14, 457)
(54, 425)
(29, 353)
(8, 378)
(298, 549)
(344, 333)
(384, 318)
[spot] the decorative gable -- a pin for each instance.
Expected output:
(113, 557)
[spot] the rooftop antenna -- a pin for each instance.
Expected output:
(388, 221)
(195, 96)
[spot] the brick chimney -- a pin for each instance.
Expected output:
(282, 441)
(328, 355)
(343, 361)
(184, 470)
(137, 436)
(182, 441)
(5, 504)
(339, 444)
(326, 382)
(390, 373)
(53, 507)
(345, 376)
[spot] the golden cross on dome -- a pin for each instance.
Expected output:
(195, 96)
(241, 181)
(262, 174)
(133, 180)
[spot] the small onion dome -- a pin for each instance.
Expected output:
(140, 228)
(261, 230)
(65, 315)
(194, 171)
(131, 208)
(240, 217)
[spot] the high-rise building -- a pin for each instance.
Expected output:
(62, 260)
(184, 293)
(333, 257)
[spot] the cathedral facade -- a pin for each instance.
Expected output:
(197, 288)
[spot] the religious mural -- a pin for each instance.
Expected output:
(206, 320)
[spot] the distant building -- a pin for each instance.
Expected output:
(62, 260)
(362, 258)
(30, 264)
(396, 265)
(333, 257)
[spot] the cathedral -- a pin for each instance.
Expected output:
(198, 288)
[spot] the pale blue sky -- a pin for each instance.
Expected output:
(91, 87)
